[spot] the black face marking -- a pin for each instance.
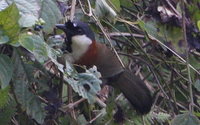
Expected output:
(87, 87)
(76, 28)
(79, 28)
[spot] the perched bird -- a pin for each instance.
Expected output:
(84, 50)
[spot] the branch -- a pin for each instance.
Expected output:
(191, 106)
(125, 34)
(72, 12)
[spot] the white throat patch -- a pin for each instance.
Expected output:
(80, 45)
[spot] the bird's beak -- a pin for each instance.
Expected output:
(61, 26)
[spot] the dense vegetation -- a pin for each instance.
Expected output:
(159, 40)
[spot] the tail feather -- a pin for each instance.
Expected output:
(135, 91)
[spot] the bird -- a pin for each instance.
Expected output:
(83, 49)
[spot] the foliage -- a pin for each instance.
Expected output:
(6, 70)
(85, 84)
(159, 40)
(7, 112)
(4, 96)
(29, 102)
(9, 24)
(185, 119)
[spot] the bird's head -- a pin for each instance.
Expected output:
(80, 38)
(78, 33)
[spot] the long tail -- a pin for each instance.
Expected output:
(135, 90)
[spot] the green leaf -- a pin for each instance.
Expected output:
(67, 120)
(29, 102)
(50, 14)
(151, 29)
(162, 117)
(85, 84)
(103, 10)
(29, 11)
(169, 35)
(185, 119)
(36, 45)
(198, 24)
(4, 96)
(116, 4)
(81, 120)
(9, 24)
(28, 41)
(194, 10)
(32, 10)
(3, 37)
(27, 20)
(7, 112)
(106, 115)
(126, 3)
(197, 85)
(6, 68)
(197, 114)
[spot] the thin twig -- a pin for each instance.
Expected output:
(43, 99)
(101, 103)
(61, 85)
(132, 24)
(96, 117)
(72, 105)
(125, 34)
(172, 7)
(143, 120)
(191, 106)
(70, 100)
(89, 6)
(14, 121)
(72, 12)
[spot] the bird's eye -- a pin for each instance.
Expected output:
(80, 31)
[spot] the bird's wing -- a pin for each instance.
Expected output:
(107, 62)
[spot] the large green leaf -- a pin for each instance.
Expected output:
(198, 24)
(4, 96)
(194, 11)
(7, 112)
(41, 51)
(85, 84)
(29, 11)
(6, 70)
(116, 4)
(103, 10)
(185, 119)
(50, 14)
(32, 10)
(25, 97)
(36, 45)
(126, 3)
(197, 85)
(3, 38)
(67, 120)
(168, 35)
(9, 25)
